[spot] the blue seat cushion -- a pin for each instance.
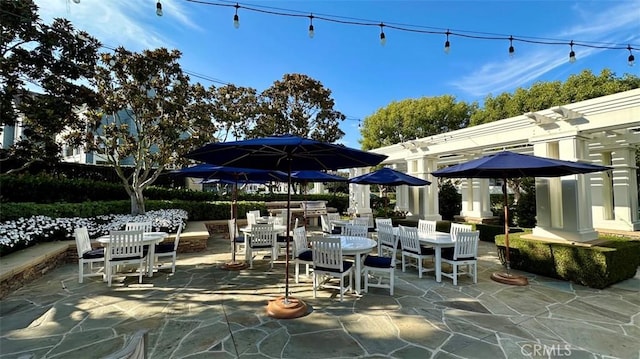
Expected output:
(239, 239)
(93, 254)
(282, 238)
(447, 252)
(346, 265)
(306, 256)
(425, 251)
(449, 255)
(164, 248)
(378, 262)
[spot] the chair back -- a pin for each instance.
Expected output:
(233, 229)
(327, 253)
(139, 226)
(125, 244)
(425, 226)
(409, 239)
(83, 243)
(458, 227)
(324, 222)
(275, 220)
(251, 219)
(388, 242)
(354, 230)
(466, 245)
(262, 235)
(256, 213)
(176, 239)
(299, 241)
(333, 216)
(361, 221)
(380, 221)
(369, 217)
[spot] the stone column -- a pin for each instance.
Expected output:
(359, 195)
(563, 204)
(476, 204)
(425, 197)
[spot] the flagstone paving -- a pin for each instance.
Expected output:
(205, 312)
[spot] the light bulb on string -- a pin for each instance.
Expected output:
(572, 54)
(447, 44)
(311, 30)
(236, 19)
(631, 60)
(76, 1)
(158, 8)
(512, 50)
(383, 37)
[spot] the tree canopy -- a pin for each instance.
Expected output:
(149, 115)
(414, 118)
(43, 73)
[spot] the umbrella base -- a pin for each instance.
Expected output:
(509, 279)
(286, 308)
(234, 266)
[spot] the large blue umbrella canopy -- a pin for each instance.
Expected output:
(389, 177)
(285, 153)
(209, 171)
(508, 164)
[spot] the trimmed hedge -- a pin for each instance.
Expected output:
(596, 266)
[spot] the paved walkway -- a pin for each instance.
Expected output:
(205, 312)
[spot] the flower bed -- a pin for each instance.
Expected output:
(25, 232)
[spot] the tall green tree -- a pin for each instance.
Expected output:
(43, 73)
(235, 109)
(149, 116)
(414, 118)
(543, 95)
(299, 105)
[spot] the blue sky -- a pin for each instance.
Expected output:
(349, 60)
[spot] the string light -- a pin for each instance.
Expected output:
(383, 38)
(512, 50)
(311, 31)
(447, 44)
(76, 1)
(572, 54)
(631, 60)
(158, 8)
(236, 19)
(416, 28)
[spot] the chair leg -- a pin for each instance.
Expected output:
(315, 284)
(455, 274)
(419, 260)
(341, 288)
(80, 270)
(403, 265)
(475, 273)
(391, 282)
(297, 271)
(366, 280)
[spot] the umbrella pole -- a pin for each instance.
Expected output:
(287, 307)
(233, 265)
(508, 278)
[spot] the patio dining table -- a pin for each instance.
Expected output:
(437, 240)
(357, 247)
(148, 239)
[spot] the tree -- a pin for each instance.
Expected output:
(42, 77)
(414, 118)
(150, 116)
(299, 105)
(543, 95)
(235, 108)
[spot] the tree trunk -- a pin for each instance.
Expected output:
(137, 202)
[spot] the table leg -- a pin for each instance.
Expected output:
(152, 259)
(438, 250)
(358, 273)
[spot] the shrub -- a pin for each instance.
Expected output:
(596, 266)
(449, 200)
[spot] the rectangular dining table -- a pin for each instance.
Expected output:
(148, 239)
(437, 240)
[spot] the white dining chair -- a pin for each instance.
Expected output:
(382, 266)
(251, 219)
(411, 249)
(328, 263)
(87, 255)
(426, 226)
(125, 247)
(164, 250)
(237, 241)
(262, 239)
(459, 227)
(380, 221)
(302, 254)
(465, 253)
(142, 226)
(354, 230)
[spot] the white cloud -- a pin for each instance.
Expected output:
(619, 23)
(119, 23)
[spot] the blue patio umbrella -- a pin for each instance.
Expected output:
(286, 153)
(389, 177)
(508, 164)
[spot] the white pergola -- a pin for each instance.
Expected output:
(604, 130)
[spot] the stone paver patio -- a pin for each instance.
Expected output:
(205, 312)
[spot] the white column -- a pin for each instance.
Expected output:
(563, 204)
(615, 203)
(318, 187)
(425, 197)
(359, 195)
(475, 198)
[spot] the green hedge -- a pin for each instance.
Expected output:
(596, 266)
